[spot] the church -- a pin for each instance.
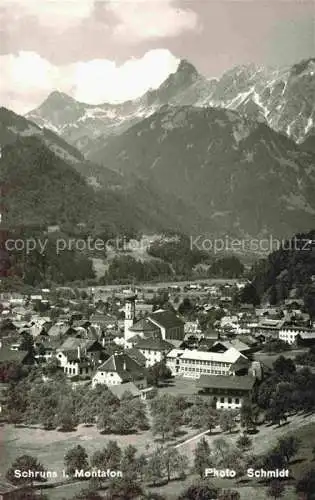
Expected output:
(162, 324)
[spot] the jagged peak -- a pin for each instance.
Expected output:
(58, 96)
(187, 68)
(302, 66)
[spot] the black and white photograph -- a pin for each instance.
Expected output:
(157, 249)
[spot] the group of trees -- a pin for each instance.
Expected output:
(126, 269)
(178, 252)
(226, 267)
(286, 390)
(31, 400)
(306, 359)
(170, 413)
(286, 269)
(138, 471)
(222, 454)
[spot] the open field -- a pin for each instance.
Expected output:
(50, 446)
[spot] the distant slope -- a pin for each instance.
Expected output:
(13, 125)
(46, 190)
(287, 272)
(237, 174)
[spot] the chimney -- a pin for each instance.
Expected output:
(103, 341)
(124, 365)
(79, 352)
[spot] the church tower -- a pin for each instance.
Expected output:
(130, 314)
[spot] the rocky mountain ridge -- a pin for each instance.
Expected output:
(283, 98)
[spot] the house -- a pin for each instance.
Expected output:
(224, 345)
(269, 328)
(118, 369)
(289, 334)
(228, 392)
(173, 360)
(79, 356)
(74, 363)
(59, 329)
(154, 350)
(194, 363)
(306, 339)
(136, 355)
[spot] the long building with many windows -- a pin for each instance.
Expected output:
(192, 363)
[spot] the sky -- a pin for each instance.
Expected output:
(115, 50)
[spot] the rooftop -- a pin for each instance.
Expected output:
(144, 325)
(229, 356)
(121, 389)
(166, 319)
(126, 367)
(155, 344)
(245, 383)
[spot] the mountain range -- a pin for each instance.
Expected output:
(229, 156)
(282, 98)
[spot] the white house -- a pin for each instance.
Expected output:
(118, 369)
(289, 333)
(154, 350)
(228, 392)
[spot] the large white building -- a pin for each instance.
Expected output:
(193, 363)
(289, 334)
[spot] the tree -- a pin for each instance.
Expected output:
(249, 295)
(26, 463)
(306, 485)
(167, 417)
(221, 449)
(199, 491)
(227, 421)
(274, 460)
(202, 457)
(76, 458)
(155, 467)
(229, 495)
(244, 442)
(27, 343)
(174, 462)
(124, 489)
(87, 494)
(276, 489)
(246, 414)
(128, 461)
(284, 366)
(288, 447)
(108, 458)
(158, 373)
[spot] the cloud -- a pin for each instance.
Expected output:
(131, 20)
(27, 78)
(144, 19)
(51, 12)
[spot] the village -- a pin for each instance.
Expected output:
(176, 365)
